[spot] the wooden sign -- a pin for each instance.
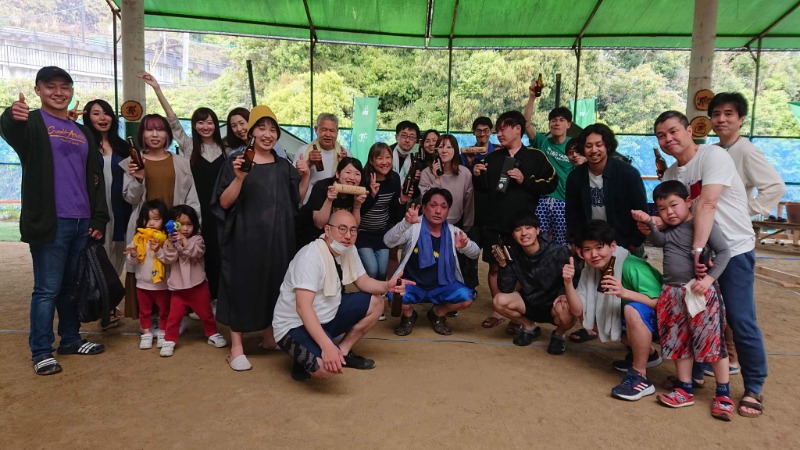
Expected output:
(701, 126)
(474, 150)
(131, 110)
(702, 98)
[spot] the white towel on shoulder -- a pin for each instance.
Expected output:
(331, 284)
(604, 311)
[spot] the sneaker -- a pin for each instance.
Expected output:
(382, 317)
(82, 347)
(46, 365)
(622, 365)
(217, 340)
(146, 341)
(184, 325)
(299, 373)
(633, 387)
(167, 349)
(678, 398)
(406, 324)
(160, 339)
(354, 361)
(526, 337)
(193, 315)
(558, 344)
(732, 370)
(452, 314)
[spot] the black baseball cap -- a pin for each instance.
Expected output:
(49, 72)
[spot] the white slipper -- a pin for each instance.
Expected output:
(240, 364)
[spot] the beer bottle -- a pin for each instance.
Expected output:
(318, 164)
(249, 154)
(538, 86)
(607, 270)
(485, 175)
(397, 301)
(661, 163)
(412, 173)
(136, 155)
(438, 159)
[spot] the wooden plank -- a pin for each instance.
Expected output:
(787, 280)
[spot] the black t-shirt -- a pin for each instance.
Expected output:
(319, 193)
(427, 278)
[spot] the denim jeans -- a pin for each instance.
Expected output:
(55, 265)
(737, 284)
(374, 261)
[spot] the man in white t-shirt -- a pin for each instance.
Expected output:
(325, 149)
(718, 194)
(313, 308)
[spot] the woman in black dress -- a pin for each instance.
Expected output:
(256, 209)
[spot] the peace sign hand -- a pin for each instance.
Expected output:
(374, 186)
(412, 214)
(73, 114)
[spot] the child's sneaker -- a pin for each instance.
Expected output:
(678, 398)
(167, 349)
(160, 339)
(622, 365)
(146, 341)
(633, 387)
(217, 340)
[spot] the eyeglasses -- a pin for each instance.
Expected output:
(483, 131)
(343, 229)
(407, 136)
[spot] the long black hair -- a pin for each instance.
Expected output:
(231, 138)
(197, 141)
(118, 145)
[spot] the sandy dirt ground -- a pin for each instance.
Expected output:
(473, 390)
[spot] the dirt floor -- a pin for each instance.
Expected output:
(473, 390)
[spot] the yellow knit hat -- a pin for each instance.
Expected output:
(258, 113)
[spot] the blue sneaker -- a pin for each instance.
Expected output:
(633, 387)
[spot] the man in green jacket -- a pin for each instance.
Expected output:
(63, 203)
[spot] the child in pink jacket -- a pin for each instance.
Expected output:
(183, 252)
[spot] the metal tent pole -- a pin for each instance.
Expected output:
(252, 82)
(311, 61)
(577, 49)
(449, 79)
(755, 89)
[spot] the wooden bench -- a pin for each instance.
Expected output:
(790, 228)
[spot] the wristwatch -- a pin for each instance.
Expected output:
(697, 250)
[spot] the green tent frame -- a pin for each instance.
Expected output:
(473, 24)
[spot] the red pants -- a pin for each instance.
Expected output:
(198, 299)
(146, 299)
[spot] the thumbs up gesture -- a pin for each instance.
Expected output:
(568, 272)
(20, 109)
(302, 166)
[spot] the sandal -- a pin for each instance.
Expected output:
(406, 325)
(46, 365)
(581, 336)
(439, 323)
(239, 364)
(757, 405)
(722, 408)
(492, 321)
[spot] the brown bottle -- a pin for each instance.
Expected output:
(661, 163)
(412, 173)
(538, 86)
(485, 175)
(607, 270)
(318, 164)
(397, 301)
(249, 154)
(136, 155)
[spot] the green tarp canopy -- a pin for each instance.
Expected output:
(485, 23)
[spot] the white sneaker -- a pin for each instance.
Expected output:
(193, 315)
(146, 342)
(217, 340)
(160, 339)
(167, 349)
(382, 317)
